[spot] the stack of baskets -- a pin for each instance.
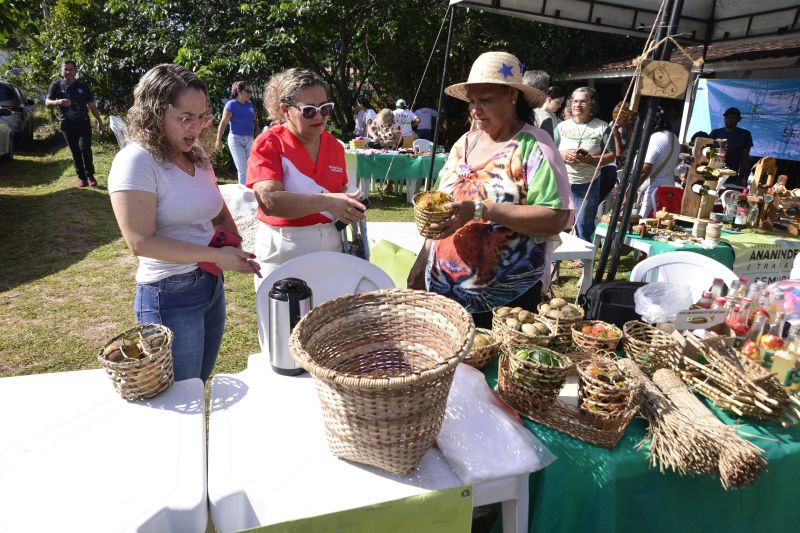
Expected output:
(139, 361)
(536, 373)
(383, 363)
(650, 347)
(562, 326)
(358, 144)
(424, 216)
(603, 388)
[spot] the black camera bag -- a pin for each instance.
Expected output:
(611, 301)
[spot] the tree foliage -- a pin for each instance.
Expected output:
(359, 46)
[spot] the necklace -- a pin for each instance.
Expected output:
(580, 133)
(189, 169)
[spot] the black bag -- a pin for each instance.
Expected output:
(611, 301)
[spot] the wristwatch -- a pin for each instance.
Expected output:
(477, 216)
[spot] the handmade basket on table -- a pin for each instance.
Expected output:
(425, 217)
(542, 381)
(358, 144)
(139, 361)
(382, 364)
(481, 356)
(508, 335)
(589, 342)
(650, 347)
(562, 326)
(605, 431)
(603, 388)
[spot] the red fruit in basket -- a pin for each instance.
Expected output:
(598, 329)
(750, 349)
(586, 329)
(771, 342)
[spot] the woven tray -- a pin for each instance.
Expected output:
(650, 347)
(382, 364)
(424, 218)
(507, 335)
(483, 356)
(588, 342)
(561, 416)
(601, 397)
(542, 382)
(134, 379)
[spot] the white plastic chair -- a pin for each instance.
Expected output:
(120, 130)
(422, 145)
(683, 268)
(328, 274)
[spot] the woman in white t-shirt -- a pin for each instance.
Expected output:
(365, 114)
(658, 169)
(167, 204)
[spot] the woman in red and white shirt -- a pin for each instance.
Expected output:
(297, 171)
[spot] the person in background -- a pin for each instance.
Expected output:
(241, 115)
(425, 126)
(672, 114)
(538, 79)
(407, 120)
(364, 116)
(74, 101)
(166, 201)
(297, 172)
(581, 141)
(511, 192)
(737, 155)
(385, 132)
(659, 162)
(545, 116)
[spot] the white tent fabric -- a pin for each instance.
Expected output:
(701, 20)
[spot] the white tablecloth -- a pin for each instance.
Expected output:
(74, 456)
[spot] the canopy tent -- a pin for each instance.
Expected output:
(703, 21)
(699, 21)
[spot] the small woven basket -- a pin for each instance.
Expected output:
(599, 396)
(482, 356)
(589, 343)
(508, 335)
(134, 379)
(577, 315)
(382, 364)
(425, 218)
(358, 144)
(650, 347)
(542, 381)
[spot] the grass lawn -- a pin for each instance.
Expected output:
(68, 278)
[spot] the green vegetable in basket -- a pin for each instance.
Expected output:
(544, 358)
(522, 355)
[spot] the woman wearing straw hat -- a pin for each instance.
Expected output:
(511, 192)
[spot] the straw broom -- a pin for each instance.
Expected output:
(740, 462)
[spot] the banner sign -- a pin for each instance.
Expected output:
(770, 111)
(761, 257)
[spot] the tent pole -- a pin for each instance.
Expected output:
(693, 88)
(674, 8)
(429, 177)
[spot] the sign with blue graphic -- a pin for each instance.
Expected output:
(770, 111)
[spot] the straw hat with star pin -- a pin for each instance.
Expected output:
(499, 68)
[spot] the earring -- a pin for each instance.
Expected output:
(513, 102)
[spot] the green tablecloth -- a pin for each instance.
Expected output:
(397, 167)
(588, 488)
(723, 253)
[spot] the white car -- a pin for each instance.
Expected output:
(6, 137)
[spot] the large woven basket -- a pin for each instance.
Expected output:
(481, 356)
(588, 342)
(425, 218)
(650, 347)
(141, 378)
(599, 396)
(543, 382)
(508, 335)
(383, 363)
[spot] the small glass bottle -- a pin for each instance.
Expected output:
(776, 303)
(742, 211)
(750, 345)
(733, 290)
(785, 361)
(706, 301)
(717, 288)
(719, 303)
(744, 285)
(772, 340)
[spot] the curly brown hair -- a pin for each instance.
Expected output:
(284, 88)
(160, 87)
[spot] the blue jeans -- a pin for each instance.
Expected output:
(240, 151)
(192, 305)
(584, 224)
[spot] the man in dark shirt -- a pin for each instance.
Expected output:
(737, 154)
(74, 100)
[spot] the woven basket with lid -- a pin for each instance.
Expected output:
(382, 364)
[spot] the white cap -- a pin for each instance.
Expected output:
(401, 104)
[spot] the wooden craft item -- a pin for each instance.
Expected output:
(663, 79)
(690, 204)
